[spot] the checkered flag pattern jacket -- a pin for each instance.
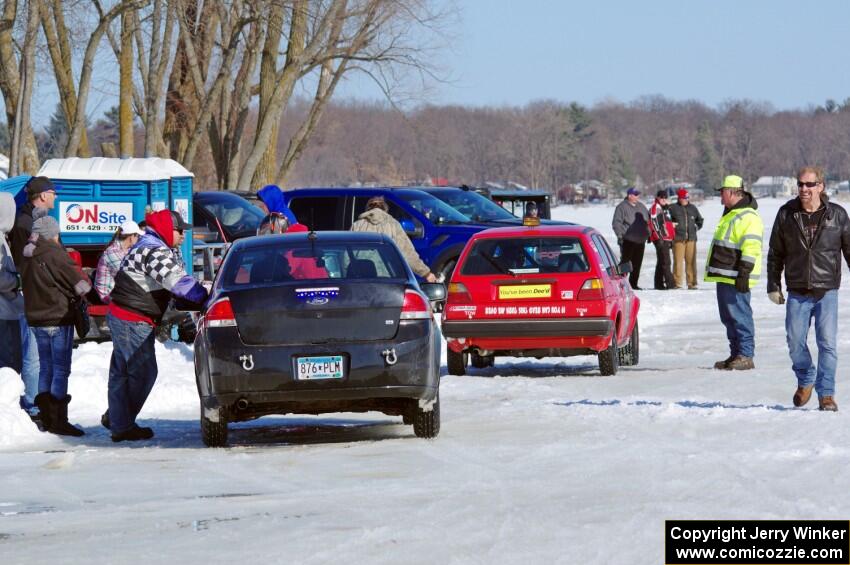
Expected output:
(149, 274)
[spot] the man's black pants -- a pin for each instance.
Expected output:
(633, 251)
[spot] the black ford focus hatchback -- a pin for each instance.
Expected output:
(317, 323)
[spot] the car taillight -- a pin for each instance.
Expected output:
(457, 294)
(415, 307)
(592, 289)
(220, 314)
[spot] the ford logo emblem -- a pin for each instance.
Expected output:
(318, 300)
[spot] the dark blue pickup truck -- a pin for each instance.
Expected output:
(438, 231)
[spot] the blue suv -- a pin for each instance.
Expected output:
(437, 230)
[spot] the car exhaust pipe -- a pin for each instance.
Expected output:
(242, 404)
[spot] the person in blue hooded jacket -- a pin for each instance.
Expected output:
(271, 198)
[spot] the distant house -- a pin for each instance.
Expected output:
(593, 190)
(774, 187)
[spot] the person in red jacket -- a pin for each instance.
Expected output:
(661, 233)
(300, 267)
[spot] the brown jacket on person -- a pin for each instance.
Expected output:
(378, 221)
(50, 279)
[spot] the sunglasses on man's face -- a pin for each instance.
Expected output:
(808, 184)
(179, 230)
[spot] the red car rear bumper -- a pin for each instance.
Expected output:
(519, 334)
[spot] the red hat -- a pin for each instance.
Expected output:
(682, 194)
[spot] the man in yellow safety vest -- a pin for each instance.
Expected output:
(734, 263)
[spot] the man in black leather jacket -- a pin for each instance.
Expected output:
(809, 236)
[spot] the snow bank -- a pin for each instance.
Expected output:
(173, 396)
(16, 428)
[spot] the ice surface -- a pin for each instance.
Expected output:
(536, 462)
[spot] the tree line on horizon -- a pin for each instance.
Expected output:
(550, 144)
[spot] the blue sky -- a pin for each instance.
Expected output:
(511, 52)
(791, 54)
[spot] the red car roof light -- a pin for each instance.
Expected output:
(220, 314)
(592, 289)
(457, 293)
(415, 307)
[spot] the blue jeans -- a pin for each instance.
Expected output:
(132, 371)
(10, 338)
(55, 344)
(799, 311)
(737, 315)
(31, 366)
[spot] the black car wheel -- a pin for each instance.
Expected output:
(482, 361)
(608, 357)
(456, 361)
(427, 424)
(214, 434)
(630, 354)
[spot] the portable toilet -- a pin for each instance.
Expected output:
(94, 196)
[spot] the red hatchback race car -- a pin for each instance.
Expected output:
(540, 291)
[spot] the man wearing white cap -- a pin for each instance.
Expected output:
(107, 267)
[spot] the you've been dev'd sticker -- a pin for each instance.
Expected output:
(525, 291)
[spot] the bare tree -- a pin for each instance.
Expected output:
(125, 89)
(17, 73)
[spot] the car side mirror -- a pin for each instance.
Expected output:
(624, 268)
(436, 292)
(411, 229)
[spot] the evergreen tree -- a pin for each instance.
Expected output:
(709, 169)
(52, 141)
(581, 122)
(621, 171)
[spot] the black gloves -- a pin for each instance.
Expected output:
(742, 281)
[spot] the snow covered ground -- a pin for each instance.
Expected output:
(537, 461)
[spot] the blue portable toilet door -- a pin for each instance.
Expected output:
(181, 202)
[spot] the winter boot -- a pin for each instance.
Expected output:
(44, 402)
(724, 364)
(803, 394)
(59, 419)
(104, 420)
(135, 433)
(740, 363)
(827, 404)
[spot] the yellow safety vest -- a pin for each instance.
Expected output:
(738, 238)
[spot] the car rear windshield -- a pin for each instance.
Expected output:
(519, 256)
(282, 261)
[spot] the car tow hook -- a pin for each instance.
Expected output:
(247, 362)
(390, 356)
